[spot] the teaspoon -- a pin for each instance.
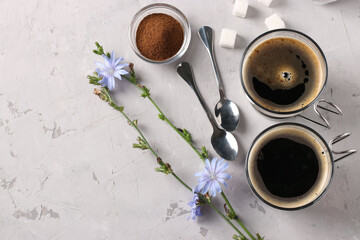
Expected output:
(222, 141)
(226, 111)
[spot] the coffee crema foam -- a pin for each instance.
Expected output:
(299, 135)
(283, 74)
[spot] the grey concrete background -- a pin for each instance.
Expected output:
(67, 169)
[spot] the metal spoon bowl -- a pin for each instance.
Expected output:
(226, 112)
(223, 142)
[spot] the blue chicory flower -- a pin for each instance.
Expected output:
(213, 174)
(109, 70)
(195, 207)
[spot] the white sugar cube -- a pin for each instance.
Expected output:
(267, 3)
(227, 38)
(274, 22)
(323, 2)
(240, 8)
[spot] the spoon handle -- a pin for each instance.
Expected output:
(206, 36)
(185, 72)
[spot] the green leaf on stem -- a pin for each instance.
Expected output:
(259, 237)
(94, 79)
(165, 168)
(132, 73)
(161, 116)
(141, 144)
(135, 122)
(145, 92)
(100, 50)
(237, 237)
(204, 153)
(116, 107)
(187, 135)
(142, 147)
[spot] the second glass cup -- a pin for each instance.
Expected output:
(290, 186)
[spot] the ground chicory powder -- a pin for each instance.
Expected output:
(159, 36)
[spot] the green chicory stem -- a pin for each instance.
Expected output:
(167, 120)
(163, 117)
(145, 144)
(176, 130)
(120, 109)
(111, 102)
(181, 181)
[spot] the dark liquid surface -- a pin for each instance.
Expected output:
(278, 96)
(283, 74)
(288, 169)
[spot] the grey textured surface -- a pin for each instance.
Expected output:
(67, 169)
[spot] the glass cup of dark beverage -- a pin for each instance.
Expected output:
(283, 72)
(289, 166)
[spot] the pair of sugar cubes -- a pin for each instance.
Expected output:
(228, 36)
(272, 22)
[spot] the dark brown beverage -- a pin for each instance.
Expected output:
(283, 74)
(289, 166)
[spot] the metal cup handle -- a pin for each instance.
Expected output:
(345, 153)
(318, 110)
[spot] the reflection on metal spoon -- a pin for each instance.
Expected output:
(226, 112)
(223, 142)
